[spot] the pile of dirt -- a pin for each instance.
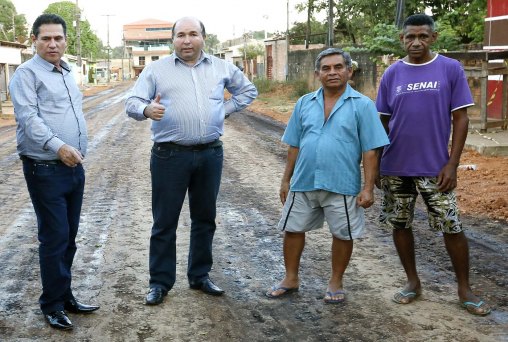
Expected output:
(484, 191)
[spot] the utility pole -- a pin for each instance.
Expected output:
(78, 44)
(310, 5)
(108, 48)
(286, 72)
(399, 14)
(330, 23)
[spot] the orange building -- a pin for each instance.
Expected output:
(146, 41)
(495, 38)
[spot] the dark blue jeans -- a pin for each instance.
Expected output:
(56, 191)
(174, 173)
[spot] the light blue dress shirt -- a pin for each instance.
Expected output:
(330, 152)
(48, 108)
(193, 97)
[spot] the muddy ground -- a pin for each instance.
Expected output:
(112, 260)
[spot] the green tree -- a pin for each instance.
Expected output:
(91, 46)
(117, 52)
(13, 26)
(317, 35)
(384, 39)
(464, 17)
(211, 43)
(355, 20)
(252, 50)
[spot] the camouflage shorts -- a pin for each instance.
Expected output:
(398, 205)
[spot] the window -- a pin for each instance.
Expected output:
(154, 58)
(158, 28)
(141, 60)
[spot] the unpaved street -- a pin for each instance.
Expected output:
(111, 266)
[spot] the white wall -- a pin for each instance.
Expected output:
(10, 55)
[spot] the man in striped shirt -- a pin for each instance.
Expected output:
(183, 95)
(52, 143)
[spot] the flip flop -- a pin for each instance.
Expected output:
(410, 295)
(285, 291)
(479, 309)
(334, 294)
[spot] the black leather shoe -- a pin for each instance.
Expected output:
(208, 287)
(76, 307)
(59, 320)
(155, 296)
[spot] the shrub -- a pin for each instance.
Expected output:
(300, 87)
(263, 85)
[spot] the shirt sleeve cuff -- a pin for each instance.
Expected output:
(54, 144)
(141, 110)
(229, 107)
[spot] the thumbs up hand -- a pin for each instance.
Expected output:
(155, 110)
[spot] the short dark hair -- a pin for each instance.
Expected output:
(333, 51)
(419, 20)
(48, 18)
(203, 31)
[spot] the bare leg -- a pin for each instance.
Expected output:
(458, 250)
(341, 254)
(293, 248)
(404, 243)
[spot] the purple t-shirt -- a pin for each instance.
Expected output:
(420, 98)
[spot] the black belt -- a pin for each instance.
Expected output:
(38, 161)
(199, 147)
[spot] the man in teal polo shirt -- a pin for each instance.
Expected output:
(329, 134)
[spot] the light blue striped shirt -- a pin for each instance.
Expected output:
(193, 97)
(49, 109)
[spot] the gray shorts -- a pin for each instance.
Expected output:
(306, 211)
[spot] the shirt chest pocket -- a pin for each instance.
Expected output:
(343, 128)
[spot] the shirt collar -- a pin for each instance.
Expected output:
(349, 92)
(49, 66)
(204, 57)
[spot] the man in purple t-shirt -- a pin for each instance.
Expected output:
(420, 97)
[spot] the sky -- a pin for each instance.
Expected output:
(225, 18)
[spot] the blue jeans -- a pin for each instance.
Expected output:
(56, 191)
(174, 173)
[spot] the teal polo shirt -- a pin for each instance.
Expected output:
(330, 152)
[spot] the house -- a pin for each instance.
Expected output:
(80, 74)
(232, 51)
(11, 56)
(276, 52)
(146, 41)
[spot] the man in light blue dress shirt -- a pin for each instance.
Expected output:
(183, 95)
(329, 133)
(52, 142)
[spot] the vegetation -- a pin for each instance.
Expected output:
(299, 88)
(252, 50)
(13, 27)
(211, 43)
(91, 45)
(290, 90)
(358, 24)
(264, 85)
(371, 24)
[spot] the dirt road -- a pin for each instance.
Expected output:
(112, 260)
